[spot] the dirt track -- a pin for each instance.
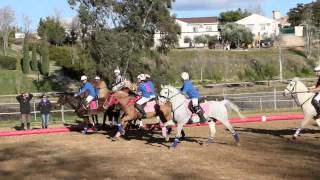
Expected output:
(265, 153)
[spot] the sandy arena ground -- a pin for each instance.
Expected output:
(265, 153)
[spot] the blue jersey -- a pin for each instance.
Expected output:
(88, 87)
(189, 89)
(147, 89)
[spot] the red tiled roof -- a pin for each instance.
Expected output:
(199, 20)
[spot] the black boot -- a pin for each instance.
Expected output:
(22, 126)
(199, 111)
(141, 110)
(28, 125)
(316, 105)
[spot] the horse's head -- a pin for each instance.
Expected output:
(67, 98)
(111, 100)
(168, 91)
(291, 87)
(62, 100)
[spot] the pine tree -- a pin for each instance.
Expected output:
(44, 68)
(26, 58)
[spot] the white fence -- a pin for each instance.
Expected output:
(258, 101)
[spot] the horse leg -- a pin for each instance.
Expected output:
(178, 135)
(305, 121)
(85, 128)
(212, 128)
(121, 128)
(235, 135)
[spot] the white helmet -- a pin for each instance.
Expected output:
(117, 71)
(97, 78)
(185, 76)
(141, 77)
(84, 77)
(317, 68)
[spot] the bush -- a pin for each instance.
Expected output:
(8, 63)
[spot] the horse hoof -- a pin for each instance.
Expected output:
(237, 144)
(113, 139)
(172, 148)
(294, 138)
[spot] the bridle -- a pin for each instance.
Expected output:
(168, 98)
(294, 97)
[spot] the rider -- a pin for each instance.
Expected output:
(193, 94)
(147, 91)
(86, 86)
(119, 80)
(316, 88)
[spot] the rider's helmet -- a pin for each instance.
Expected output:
(97, 78)
(117, 72)
(147, 76)
(83, 78)
(317, 70)
(141, 77)
(185, 76)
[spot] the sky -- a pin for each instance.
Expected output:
(35, 9)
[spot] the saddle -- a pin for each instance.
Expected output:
(201, 100)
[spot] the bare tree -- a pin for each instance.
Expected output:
(26, 24)
(7, 17)
(309, 32)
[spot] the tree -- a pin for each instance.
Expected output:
(236, 34)
(52, 29)
(200, 40)
(34, 61)
(7, 17)
(295, 17)
(26, 57)
(45, 63)
(131, 38)
(188, 40)
(232, 16)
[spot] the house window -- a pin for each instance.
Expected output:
(195, 29)
(208, 28)
(251, 26)
(262, 27)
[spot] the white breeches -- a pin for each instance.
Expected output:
(89, 99)
(194, 102)
(143, 100)
(317, 98)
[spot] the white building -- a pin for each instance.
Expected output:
(191, 27)
(260, 26)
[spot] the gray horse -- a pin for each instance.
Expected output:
(215, 110)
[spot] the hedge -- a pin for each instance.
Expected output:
(8, 63)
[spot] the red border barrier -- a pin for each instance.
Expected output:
(232, 120)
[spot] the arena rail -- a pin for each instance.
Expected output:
(232, 120)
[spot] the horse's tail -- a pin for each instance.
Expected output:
(234, 107)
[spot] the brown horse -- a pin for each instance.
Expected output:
(126, 102)
(76, 103)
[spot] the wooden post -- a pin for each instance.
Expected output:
(35, 110)
(62, 113)
(275, 98)
(260, 104)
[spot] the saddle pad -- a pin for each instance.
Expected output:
(93, 105)
(149, 107)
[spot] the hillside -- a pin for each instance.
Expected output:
(228, 66)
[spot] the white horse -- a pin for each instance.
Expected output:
(216, 110)
(299, 92)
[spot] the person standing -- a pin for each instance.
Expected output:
(25, 109)
(45, 107)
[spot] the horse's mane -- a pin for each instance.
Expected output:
(172, 88)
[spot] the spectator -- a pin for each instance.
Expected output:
(44, 106)
(25, 109)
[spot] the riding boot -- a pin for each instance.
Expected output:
(316, 105)
(199, 111)
(28, 125)
(141, 110)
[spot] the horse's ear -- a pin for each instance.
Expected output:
(161, 86)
